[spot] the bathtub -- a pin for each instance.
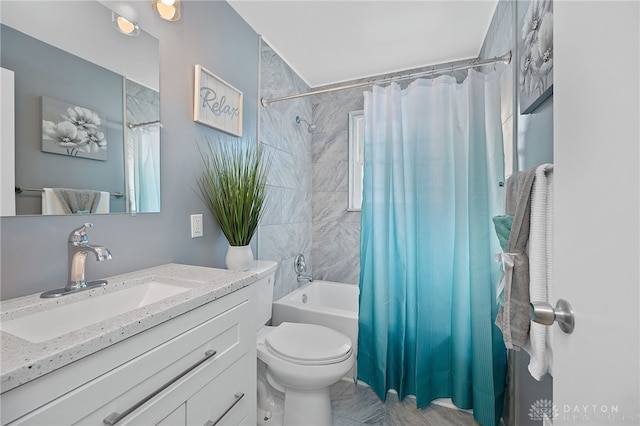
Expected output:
(327, 303)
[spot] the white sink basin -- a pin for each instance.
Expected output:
(55, 322)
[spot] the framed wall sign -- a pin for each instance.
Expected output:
(535, 51)
(217, 104)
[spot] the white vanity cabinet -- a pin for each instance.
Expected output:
(198, 368)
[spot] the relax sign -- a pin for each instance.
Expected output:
(217, 104)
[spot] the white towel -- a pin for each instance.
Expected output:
(50, 202)
(103, 203)
(540, 269)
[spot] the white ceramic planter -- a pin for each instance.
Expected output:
(239, 258)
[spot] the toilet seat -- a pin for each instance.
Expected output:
(308, 344)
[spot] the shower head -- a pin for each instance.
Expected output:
(310, 127)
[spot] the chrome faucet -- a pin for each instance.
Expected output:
(78, 248)
(300, 266)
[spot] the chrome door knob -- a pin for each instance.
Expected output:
(545, 314)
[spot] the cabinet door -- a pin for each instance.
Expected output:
(225, 400)
(177, 418)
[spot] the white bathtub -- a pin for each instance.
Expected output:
(327, 303)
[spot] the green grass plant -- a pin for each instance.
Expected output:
(233, 187)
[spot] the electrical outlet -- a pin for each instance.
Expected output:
(196, 225)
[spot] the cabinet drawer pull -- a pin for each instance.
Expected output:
(238, 397)
(115, 417)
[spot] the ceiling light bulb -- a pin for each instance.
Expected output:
(167, 9)
(125, 25)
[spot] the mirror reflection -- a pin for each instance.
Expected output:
(82, 119)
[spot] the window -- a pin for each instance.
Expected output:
(356, 159)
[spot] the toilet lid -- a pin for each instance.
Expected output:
(308, 344)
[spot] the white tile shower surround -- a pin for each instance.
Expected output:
(359, 405)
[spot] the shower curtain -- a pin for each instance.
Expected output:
(143, 169)
(433, 163)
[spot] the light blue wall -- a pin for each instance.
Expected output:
(33, 249)
(535, 136)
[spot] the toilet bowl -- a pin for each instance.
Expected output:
(302, 361)
(299, 362)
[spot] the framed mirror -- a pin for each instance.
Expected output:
(86, 111)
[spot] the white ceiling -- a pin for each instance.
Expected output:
(333, 40)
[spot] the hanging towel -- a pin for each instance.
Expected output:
(514, 315)
(502, 224)
(103, 203)
(540, 266)
(50, 203)
(77, 200)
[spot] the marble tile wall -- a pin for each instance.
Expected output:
(285, 229)
(336, 231)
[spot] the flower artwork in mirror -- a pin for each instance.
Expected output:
(535, 53)
(95, 100)
(73, 130)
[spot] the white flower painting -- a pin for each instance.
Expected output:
(72, 130)
(536, 53)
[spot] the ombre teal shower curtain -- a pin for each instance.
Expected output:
(143, 169)
(433, 162)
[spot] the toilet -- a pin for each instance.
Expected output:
(296, 362)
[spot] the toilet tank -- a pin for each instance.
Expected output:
(262, 290)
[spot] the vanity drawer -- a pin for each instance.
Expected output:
(225, 400)
(228, 334)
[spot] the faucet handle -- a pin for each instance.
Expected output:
(79, 235)
(300, 265)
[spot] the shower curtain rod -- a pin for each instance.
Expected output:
(506, 58)
(144, 124)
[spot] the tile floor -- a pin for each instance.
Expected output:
(359, 405)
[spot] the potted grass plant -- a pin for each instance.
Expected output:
(233, 187)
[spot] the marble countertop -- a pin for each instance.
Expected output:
(23, 361)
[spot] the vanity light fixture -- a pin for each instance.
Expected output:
(124, 25)
(167, 9)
